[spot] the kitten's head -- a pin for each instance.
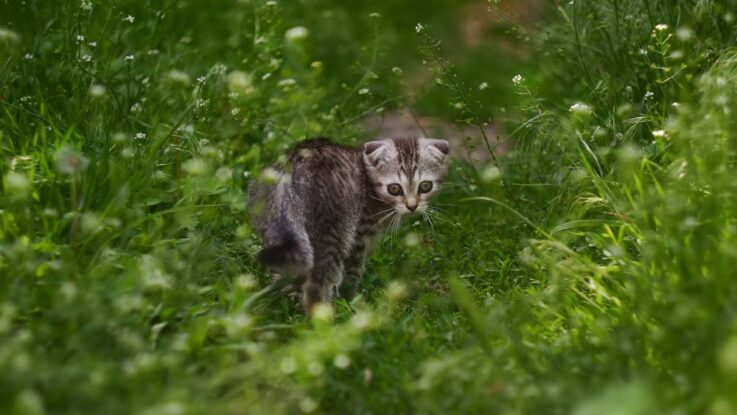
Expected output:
(406, 172)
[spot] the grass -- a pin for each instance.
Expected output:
(588, 269)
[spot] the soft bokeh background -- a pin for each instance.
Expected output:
(581, 259)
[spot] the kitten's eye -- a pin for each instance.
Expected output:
(394, 189)
(425, 186)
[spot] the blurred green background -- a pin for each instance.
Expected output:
(580, 260)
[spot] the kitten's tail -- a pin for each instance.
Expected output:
(287, 247)
(287, 251)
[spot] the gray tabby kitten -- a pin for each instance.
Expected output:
(321, 215)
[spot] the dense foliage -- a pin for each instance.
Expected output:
(587, 267)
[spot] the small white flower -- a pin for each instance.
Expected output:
(70, 162)
(17, 183)
(397, 70)
(137, 107)
(661, 27)
(287, 83)
(374, 15)
(201, 79)
(92, 44)
(129, 58)
(28, 56)
(153, 52)
(580, 108)
(296, 34)
(483, 86)
(86, 58)
(684, 34)
(240, 82)
(97, 90)
(80, 38)
(675, 105)
(419, 28)
(140, 135)
(649, 95)
(235, 111)
(177, 77)
(271, 3)
(7, 35)
(660, 134)
(129, 19)
(85, 5)
(363, 91)
(342, 361)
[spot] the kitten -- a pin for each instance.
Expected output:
(321, 214)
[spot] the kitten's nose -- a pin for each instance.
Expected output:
(411, 207)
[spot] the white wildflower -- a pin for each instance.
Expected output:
(323, 312)
(287, 83)
(271, 3)
(92, 44)
(363, 91)
(70, 162)
(201, 103)
(649, 95)
(136, 107)
(240, 82)
(397, 70)
(201, 79)
(86, 58)
(684, 34)
(195, 167)
(85, 5)
(419, 28)
(17, 183)
(342, 361)
(176, 76)
(518, 79)
(129, 58)
(28, 56)
(661, 27)
(7, 35)
(660, 134)
(374, 15)
(296, 34)
(129, 19)
(152, 52)
(97, 90)
(307, 405)
(140, 135)
(483, 86)
(581, 109)
(235, 111)
(80, 38)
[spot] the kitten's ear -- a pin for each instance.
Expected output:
(437, 148)
(376, 152)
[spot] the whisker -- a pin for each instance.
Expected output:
(428, 220)
(383, 211)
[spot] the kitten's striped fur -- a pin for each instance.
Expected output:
(317, 219)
